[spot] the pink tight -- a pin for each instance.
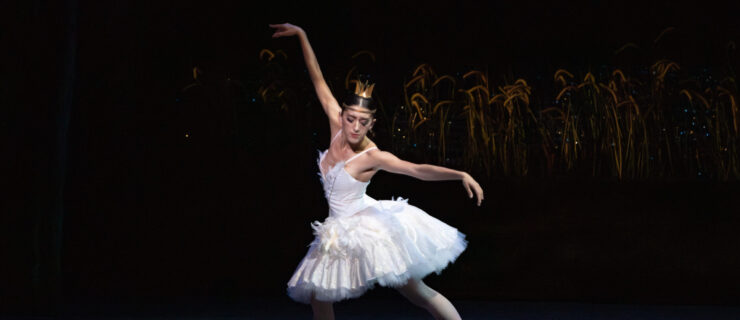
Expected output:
(415, 290)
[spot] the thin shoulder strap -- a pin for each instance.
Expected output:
(335, 136)
(359, 154)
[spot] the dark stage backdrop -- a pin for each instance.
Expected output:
(107, 200)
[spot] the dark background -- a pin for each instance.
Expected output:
(105, 199)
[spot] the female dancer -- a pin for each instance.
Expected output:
(365, 241)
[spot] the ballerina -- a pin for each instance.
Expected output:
(364, 241)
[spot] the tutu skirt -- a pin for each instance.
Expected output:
(386, 243)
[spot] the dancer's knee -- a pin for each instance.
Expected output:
(418, 292)
(322, 310)
(321, 305)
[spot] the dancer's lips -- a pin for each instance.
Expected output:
(354, 135)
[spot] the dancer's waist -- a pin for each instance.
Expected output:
(341, 208)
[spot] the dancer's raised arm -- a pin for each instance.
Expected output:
(387, 161)
(328, 102)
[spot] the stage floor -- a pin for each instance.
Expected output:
(361, 309)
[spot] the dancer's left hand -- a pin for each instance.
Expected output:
(472, 186)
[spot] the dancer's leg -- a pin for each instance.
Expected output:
(322, 310)
(423, 296)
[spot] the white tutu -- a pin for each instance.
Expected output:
(387, 243)
(365, 241)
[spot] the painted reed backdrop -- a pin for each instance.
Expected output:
(659, 122)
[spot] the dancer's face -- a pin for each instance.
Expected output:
(356, 122)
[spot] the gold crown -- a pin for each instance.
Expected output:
(364, 90)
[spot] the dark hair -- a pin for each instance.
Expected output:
(356, 100)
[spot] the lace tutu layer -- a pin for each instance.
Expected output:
(386, 243)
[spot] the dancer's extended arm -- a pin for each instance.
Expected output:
(328, 102)
(387, 161)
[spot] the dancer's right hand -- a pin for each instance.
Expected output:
(285, 30)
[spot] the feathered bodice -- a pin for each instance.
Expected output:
(345, 194)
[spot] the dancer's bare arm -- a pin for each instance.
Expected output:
(328, 102)
(387, 161)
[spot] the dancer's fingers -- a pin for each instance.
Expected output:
(278, 27)
(470, 193)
